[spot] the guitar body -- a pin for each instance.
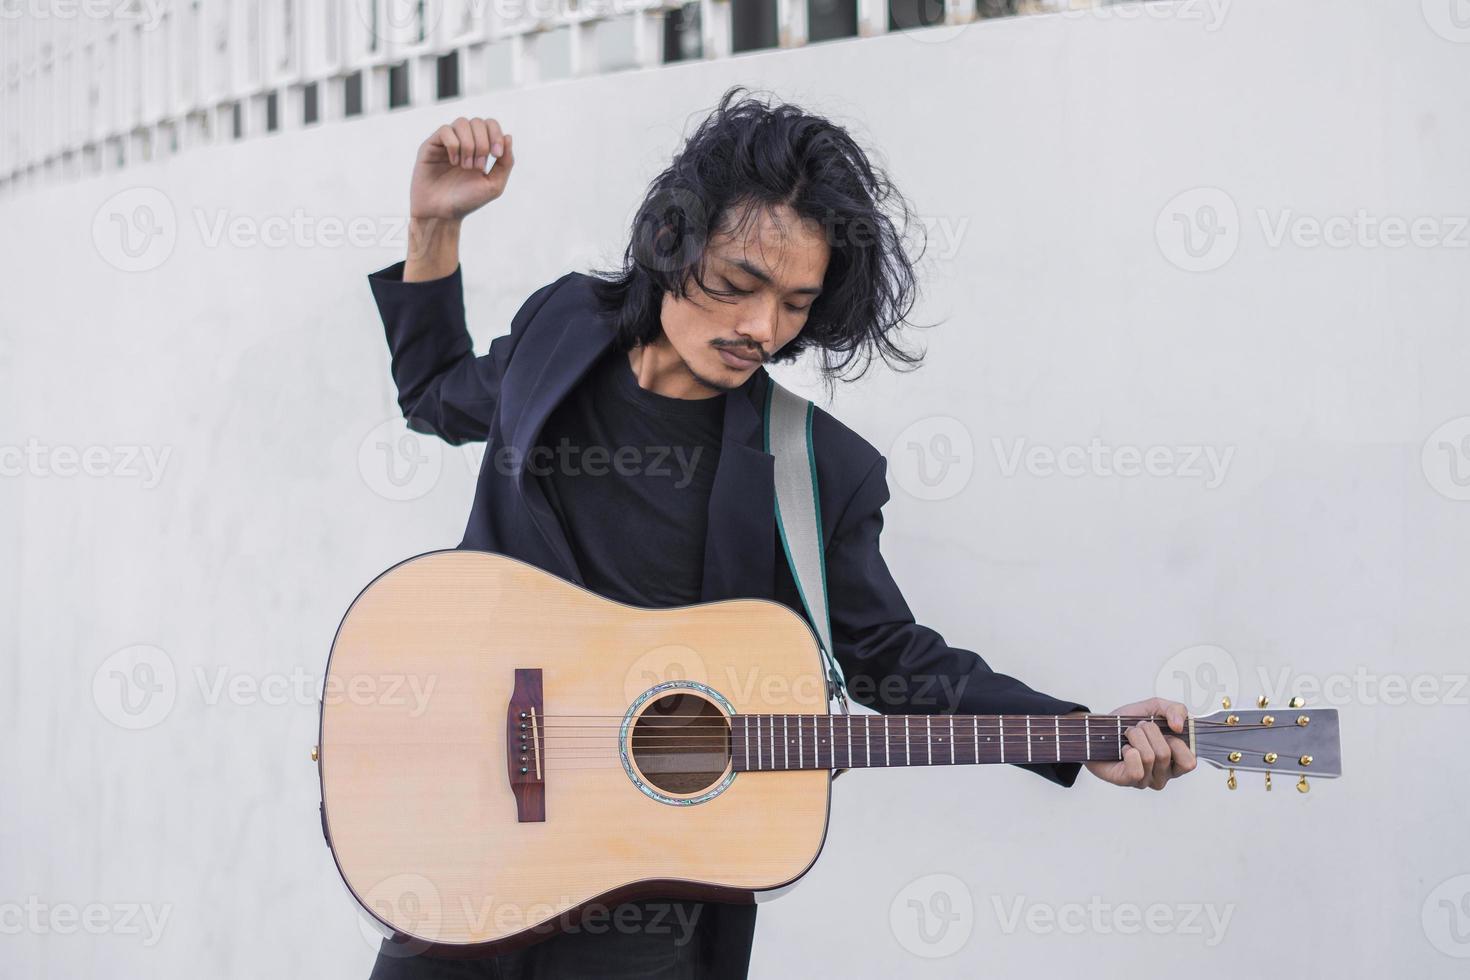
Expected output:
(460, 842)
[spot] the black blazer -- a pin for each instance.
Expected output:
(504, 396)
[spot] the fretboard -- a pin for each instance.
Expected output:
(760, 742)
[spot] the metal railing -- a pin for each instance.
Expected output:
(96, 85)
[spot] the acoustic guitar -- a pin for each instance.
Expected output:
(501, 751)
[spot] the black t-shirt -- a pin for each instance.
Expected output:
(628, 473)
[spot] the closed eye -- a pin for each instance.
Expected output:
(746, 292)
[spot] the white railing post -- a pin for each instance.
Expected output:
(648, 36)
(959, 11)
(872, 17)
(716, 28)
(585, 59)
(792, 29)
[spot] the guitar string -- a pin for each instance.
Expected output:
(855, 761)
(961, 758)
(723, 734)
(738, 745)
(966, 721)
(719, 730)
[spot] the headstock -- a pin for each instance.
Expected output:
(1295, 741)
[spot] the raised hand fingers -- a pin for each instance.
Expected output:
(481, 133)
(497, 137)
(500, 173)
(466, 134)
(445, 137)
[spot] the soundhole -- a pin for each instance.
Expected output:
(681, 743)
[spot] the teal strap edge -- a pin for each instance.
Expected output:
(837, 677)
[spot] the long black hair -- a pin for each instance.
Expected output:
(748, 156)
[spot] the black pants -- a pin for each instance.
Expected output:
(656, 939)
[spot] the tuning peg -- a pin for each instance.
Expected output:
(1262, 701)
(1230, 783)
(1301, 785)
(1225, 702)
(1268, 782)
(1296, 702)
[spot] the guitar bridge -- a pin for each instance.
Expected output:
(525, 746)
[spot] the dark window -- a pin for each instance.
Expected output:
(449, 75)
(905, 15)
(237, 121)
(352, 103)
(398, 85)
(753, 25)
(995, 8)
(310, 111)
(828, 19)
(681, 34)
(272, 113)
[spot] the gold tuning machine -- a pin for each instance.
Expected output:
(1225, 702)
(1296, 703)
(315, 753)
(1301, 785)
(1262, 701)
(1230, 783)
(1268, 782)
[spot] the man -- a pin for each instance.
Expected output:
(622, 423)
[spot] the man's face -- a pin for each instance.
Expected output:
(778, 262)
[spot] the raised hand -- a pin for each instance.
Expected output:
(450, 181)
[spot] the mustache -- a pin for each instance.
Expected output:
(745, 346)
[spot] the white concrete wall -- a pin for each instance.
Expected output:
(1325, 555)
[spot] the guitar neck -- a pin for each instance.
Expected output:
(777, 742)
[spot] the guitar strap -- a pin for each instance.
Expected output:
(788, 437)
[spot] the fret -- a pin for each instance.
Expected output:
(836, 748)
